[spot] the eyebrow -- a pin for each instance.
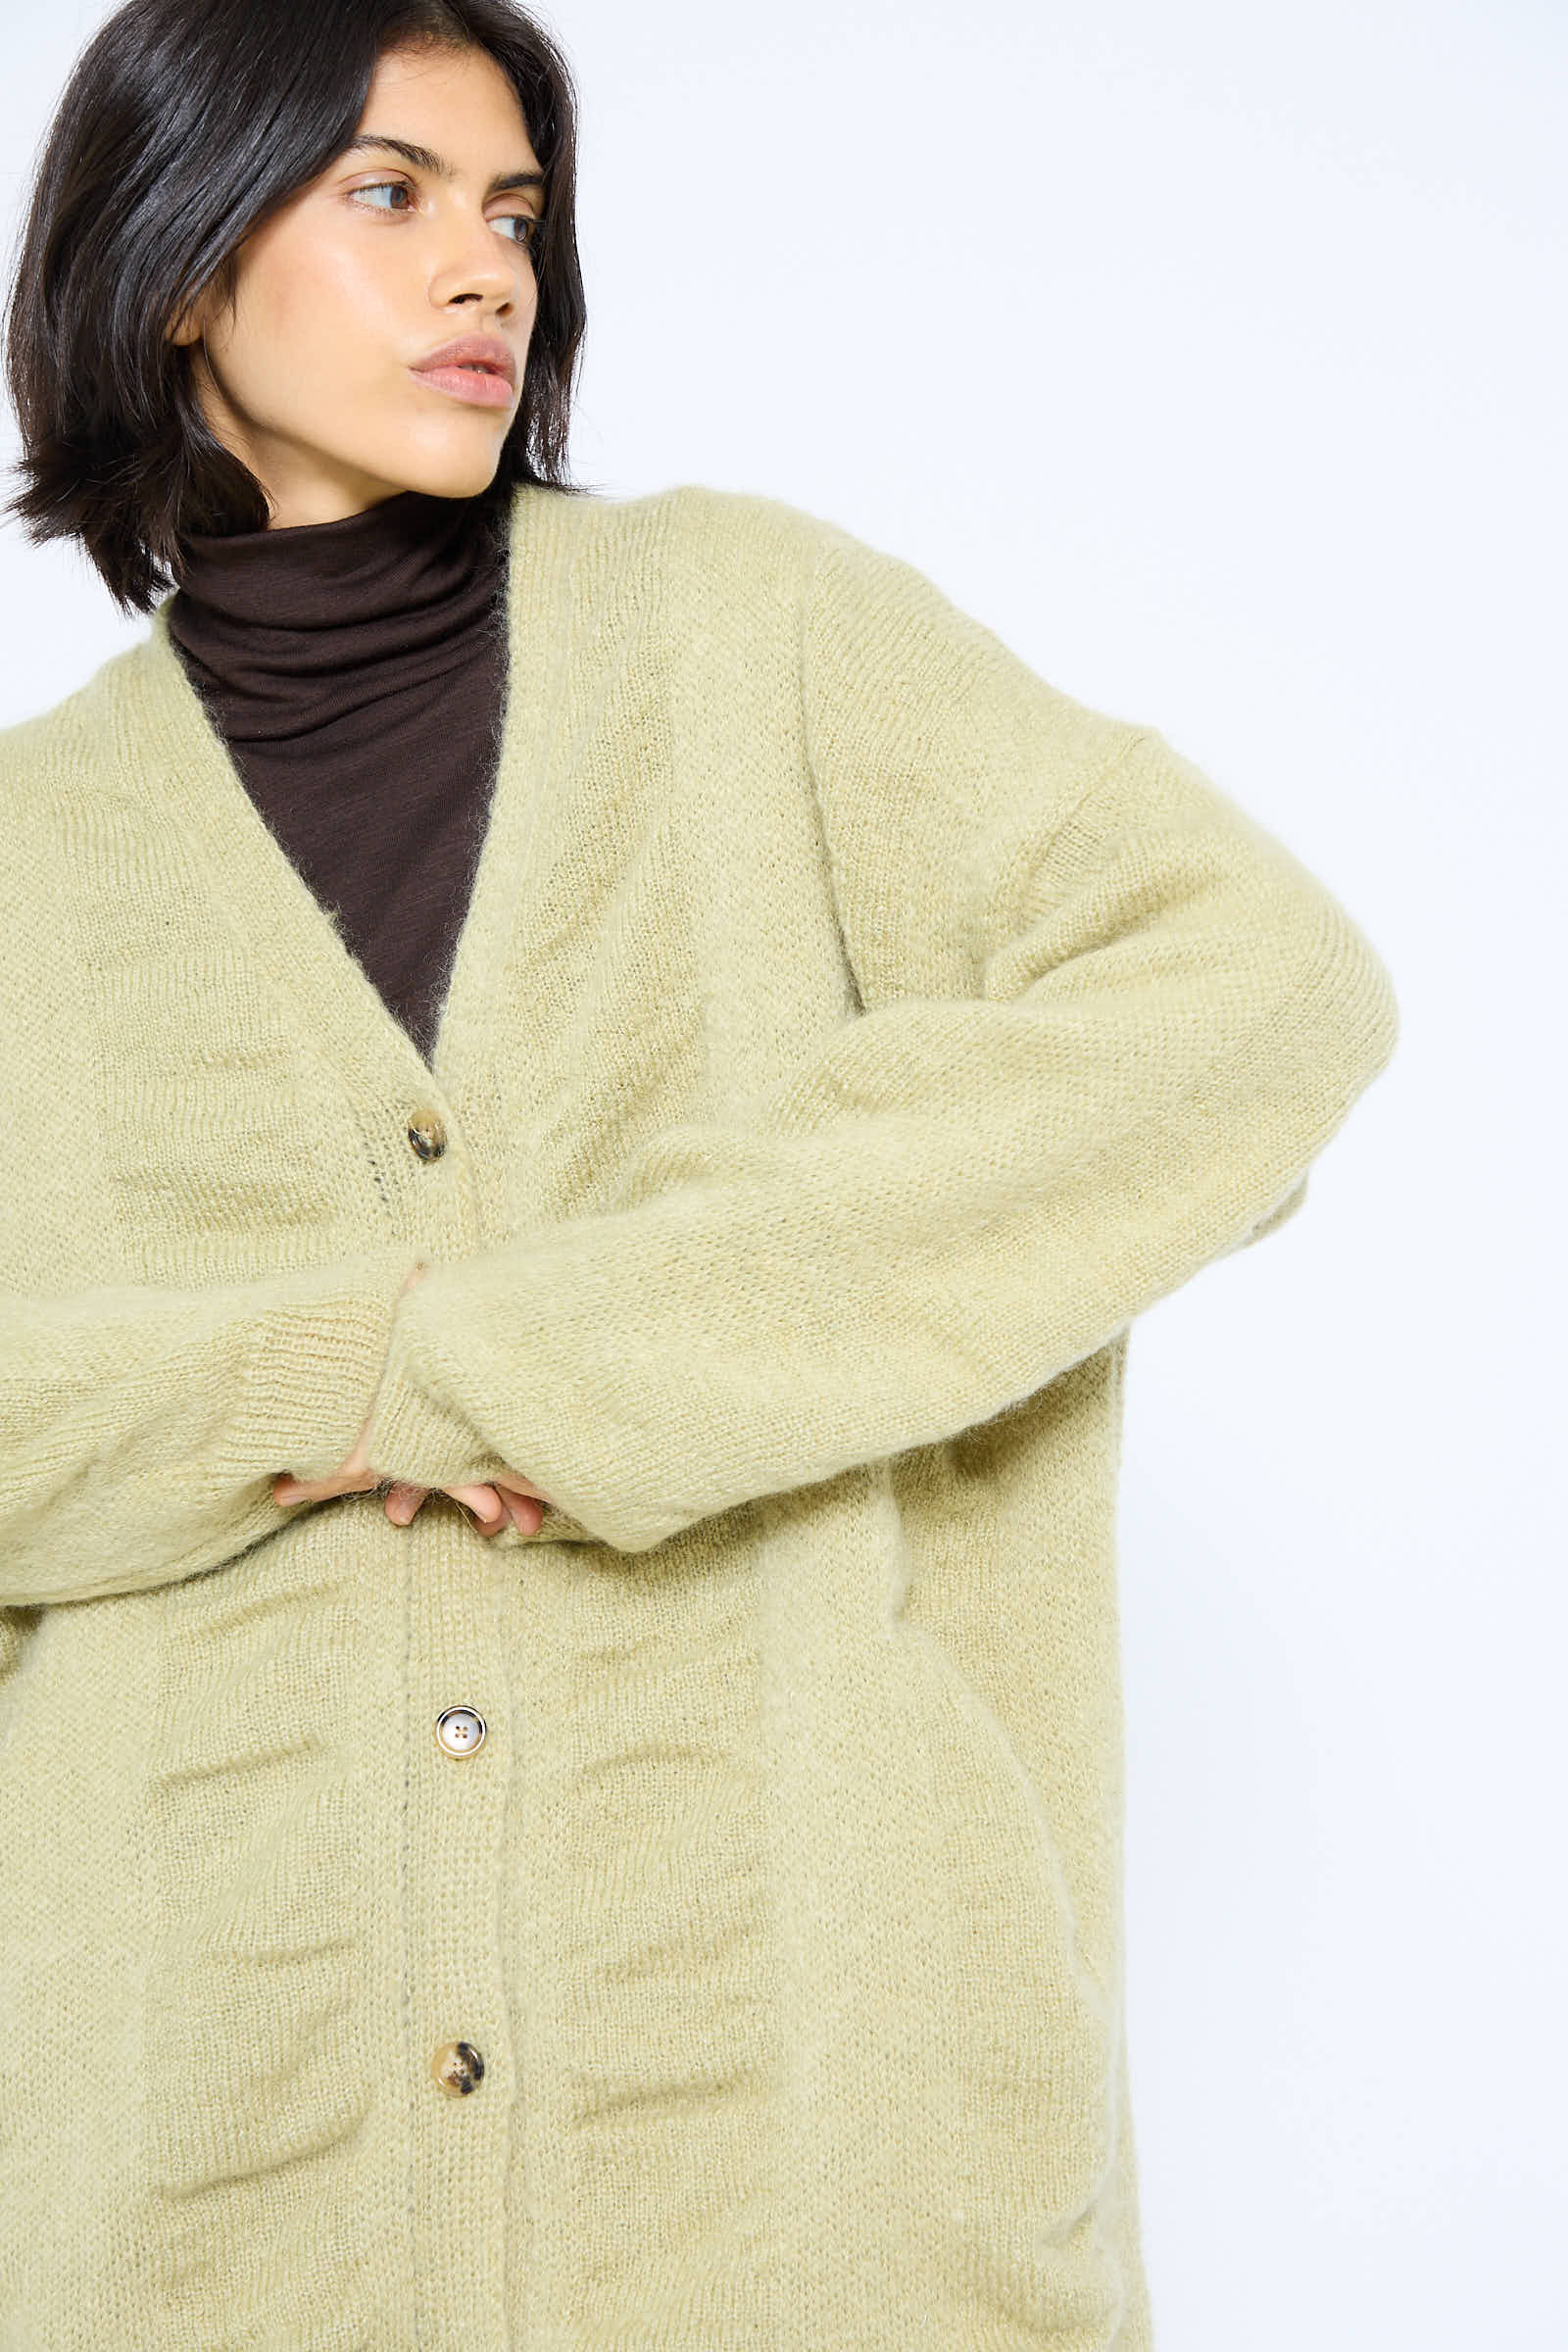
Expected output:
(424, 159)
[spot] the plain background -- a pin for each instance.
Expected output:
(1214, 356)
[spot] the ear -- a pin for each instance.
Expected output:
(189, 325)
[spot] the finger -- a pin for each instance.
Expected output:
(403, 1500)
(528, 1512)
(286, 1490)
(298, 1490)
(485, 1504)
(506, 1482)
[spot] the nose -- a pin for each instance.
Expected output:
(476, 267)
(497, 290)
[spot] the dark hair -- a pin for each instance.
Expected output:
(185, 125)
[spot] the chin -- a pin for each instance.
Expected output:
(463, 473)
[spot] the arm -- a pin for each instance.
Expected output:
(1108, 1021)
(140, 1428)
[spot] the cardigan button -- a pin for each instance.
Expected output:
(428, 1134)
(459, 1731)
(458, 2067)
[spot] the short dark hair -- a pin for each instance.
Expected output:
(185, 123)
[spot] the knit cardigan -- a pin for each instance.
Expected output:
(850, 1034)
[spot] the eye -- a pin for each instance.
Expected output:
(396, 187)
(399, 187)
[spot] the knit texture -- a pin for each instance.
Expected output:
(851, 1034)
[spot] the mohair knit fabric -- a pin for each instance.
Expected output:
(850, 1033)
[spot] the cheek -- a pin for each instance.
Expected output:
(315, 304)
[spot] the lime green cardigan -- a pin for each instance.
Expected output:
(696, 1925)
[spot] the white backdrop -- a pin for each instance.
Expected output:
(1215, 356)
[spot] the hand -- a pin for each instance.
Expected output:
(506, 1500)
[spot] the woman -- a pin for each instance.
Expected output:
(641, 1018)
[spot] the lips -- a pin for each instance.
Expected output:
(482, 352)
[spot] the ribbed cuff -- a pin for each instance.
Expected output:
(318, 1357)
(414, 1436)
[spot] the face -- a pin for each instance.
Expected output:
(311, 378)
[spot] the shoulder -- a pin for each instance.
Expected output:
(68, 745)
(715, 536)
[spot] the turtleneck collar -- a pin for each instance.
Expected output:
(291, 630)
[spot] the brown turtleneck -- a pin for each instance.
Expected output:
(356, 672)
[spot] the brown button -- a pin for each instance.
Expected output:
(458, 2067)
(428, 1134)
(460, 1730)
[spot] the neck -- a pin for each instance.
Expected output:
(289, 631)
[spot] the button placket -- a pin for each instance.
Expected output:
(457, 2067)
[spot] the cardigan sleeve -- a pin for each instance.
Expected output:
(1105, 1023)
(142, 1428)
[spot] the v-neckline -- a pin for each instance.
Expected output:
(268, 897)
